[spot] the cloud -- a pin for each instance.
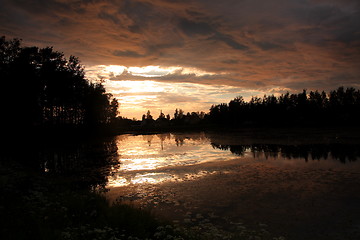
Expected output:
(257, 45)
(127, 53)
(181, 76)
(228, 40)
(136, 97)
(268, 46)
(192, 28)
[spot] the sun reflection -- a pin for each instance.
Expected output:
(117, 182)
(153, 159)
(150, 178)
(139, 164)
(159, 158)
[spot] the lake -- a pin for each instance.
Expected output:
(297, 187)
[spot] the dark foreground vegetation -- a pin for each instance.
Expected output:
(53, 190)
(40, 207)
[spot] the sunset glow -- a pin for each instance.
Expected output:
(192, 54)
(114, 69)
(140, 89)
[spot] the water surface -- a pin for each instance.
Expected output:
(304, 190)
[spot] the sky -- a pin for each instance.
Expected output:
(166, 54)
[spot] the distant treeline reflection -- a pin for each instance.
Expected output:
(343, 153)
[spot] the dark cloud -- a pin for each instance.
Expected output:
(192, 28)
(268, 46)
(140, 13)
(127, 53)
(39, 6)
(254, 44)
(109, 17)
(230, 61)
(227, 39)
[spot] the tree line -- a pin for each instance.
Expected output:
(339, 107)
(179, 118)
(42, 88)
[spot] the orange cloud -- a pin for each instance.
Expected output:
(255, 45)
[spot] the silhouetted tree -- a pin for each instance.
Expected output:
(339, 107)
(148, 115)
(179, 114)
(43, 88)
(113, 109)
(162, 115)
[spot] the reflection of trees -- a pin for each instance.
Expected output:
(86, 164)
(180, 138)
(163, 137)
(341, 152)
(148, 138)
(236, 149)
(89, 163)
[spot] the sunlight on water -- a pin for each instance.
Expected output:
(157, 158)
(139, 179)
(162, 157)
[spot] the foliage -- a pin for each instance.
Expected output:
(340, 107)
(40, 87)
